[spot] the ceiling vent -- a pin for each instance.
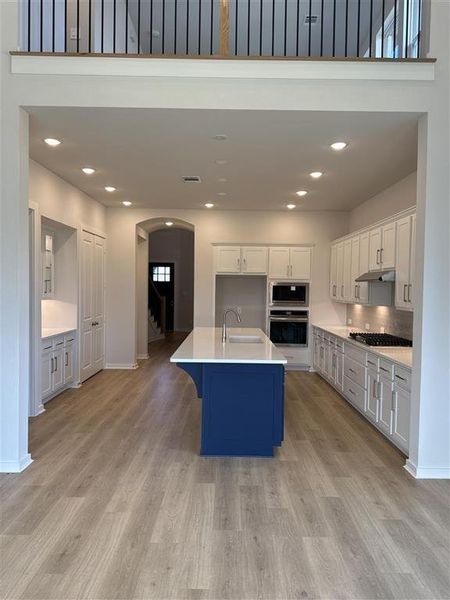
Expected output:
(191, 179)
(313, 19)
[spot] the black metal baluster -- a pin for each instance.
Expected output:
(370, 28)
(199, 27)
(175, 16)
(114, 25)
(248, 29)
(419, 25)
(187, 26)
(285, 28)
(103, 23)
(41, 26)
(163, 45)
(394, 50)
(29, 26)
(334, 28)
(359, 27)
(321, 27)
(126, 27)
(260, 26)
(78, 26)
(309, 29)
(211, 31)
(297, 34)
(236, 17)
(89, 26)
(53, 25)
(407, 29)
(151, 26)
(139, 28)
(382, 29)
(273, 27)
(346, 28)
(65, 25)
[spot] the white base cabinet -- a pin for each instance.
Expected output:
(375, 386)
(57, 364)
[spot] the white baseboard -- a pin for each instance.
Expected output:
(121, 366)
(426, 472)
(142, 356)
(13, 466)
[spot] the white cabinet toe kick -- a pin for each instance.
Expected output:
(377, 387)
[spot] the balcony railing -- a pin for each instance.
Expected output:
(228, 28)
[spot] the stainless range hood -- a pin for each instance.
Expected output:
(387, 276)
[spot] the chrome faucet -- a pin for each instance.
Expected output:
(224, 322)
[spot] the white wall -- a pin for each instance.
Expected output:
(177, 246)
(264, 227)
(60, 201)
(397, 197)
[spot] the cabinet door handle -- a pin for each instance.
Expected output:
(56, 363)
(342, 290)
(352, 371)
(356, 290)
(335, 290)
(378, 256)
(393, 398)
(379, 390)
(385, 370)
(351, 391)
(381, 256)
(66, 364)
(405, 288)
(409, 292)
(371, 363)
(399, 377)
(51, 366)
(374, 391)
(244, 262)
(238, 263)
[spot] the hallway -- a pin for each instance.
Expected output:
(118, 504)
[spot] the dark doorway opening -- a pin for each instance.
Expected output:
(162, 293)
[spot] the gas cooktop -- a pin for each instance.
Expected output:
(380, 339)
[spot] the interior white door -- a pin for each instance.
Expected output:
(300, 260)
(254, 260)
(279, 263)
(228, 259)
(92, 305)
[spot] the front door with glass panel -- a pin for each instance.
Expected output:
(163, 278)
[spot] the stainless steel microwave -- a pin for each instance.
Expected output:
(288, 293)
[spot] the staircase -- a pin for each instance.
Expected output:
(154, 331)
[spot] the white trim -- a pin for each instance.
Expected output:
(35, 401)
(94, 230)
(230, 69)
(426, 472)
(396, 216)
(121, 366)
(13, 466)
(142, 356)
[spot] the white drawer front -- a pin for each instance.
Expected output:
(372, 362)
(46, 344)
(354, 393)
(355, 372)
(402, 377)
(356, 354)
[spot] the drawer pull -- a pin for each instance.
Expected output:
(399, 377)
(385, 370)
(371, 363)
(352, 371)
(59, 343)
(47, 348)
(71, 340)
(351, 391)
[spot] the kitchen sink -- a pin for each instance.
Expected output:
(244, 339)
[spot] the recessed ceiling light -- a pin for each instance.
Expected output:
(126, 203)
(222, 180)
(301, 193)
(316, 174)
(52, 142)
(169, 223)
(339, 145)
(220, 137)
(88, 170)
(221, 161)
(290, 206)
(209, 205)
(221, 193)
(110, 188)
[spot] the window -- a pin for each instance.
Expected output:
(161, 273)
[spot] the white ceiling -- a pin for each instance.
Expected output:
(144, 153)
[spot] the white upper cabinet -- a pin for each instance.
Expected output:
(290, 263)
(228, 259)
(300, 259)
(382, 247)
(347, 280)
(354, 270)
(254, 260)
(405, 257)
(340, 270)
(333, 272)
(363, 286)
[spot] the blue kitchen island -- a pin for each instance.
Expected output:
(241, 385)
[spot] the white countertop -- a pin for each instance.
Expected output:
(48, 332)
(400, 355)
(204, 345)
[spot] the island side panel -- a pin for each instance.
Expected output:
(195, 371)
(242, 409)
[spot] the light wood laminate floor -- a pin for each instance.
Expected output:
(118, 504)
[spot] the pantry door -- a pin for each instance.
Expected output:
(92, 344)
